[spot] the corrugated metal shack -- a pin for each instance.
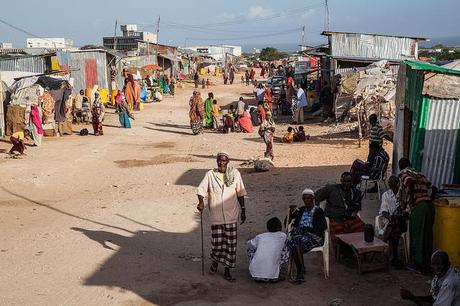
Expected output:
(34, 64)
(428, 121)
(89, 68)
(348, 50)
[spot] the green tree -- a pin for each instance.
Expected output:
(271, 54)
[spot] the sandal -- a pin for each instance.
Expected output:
(229, 278)
(213, 268)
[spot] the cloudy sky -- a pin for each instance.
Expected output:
(242, 22)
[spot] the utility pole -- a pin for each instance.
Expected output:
(115, 36)
(303, 37)
(326, 16)
(158, 30)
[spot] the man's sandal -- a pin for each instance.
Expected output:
(213, 269)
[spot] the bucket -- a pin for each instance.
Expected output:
(447, 229)
(104, 95)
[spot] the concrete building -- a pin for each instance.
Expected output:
(218, 52)
(131, 39)
(61, 43)
(6, 45)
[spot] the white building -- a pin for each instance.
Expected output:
(6, 45)
(218, 52)
(61, 43)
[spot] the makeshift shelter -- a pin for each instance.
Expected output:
(428, 121)
(41, 104)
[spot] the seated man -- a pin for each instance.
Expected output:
(343, 202)
(307, 233)
(445, 286)
(377, 163)
(265, 252)
(289, 136)
(392, 219)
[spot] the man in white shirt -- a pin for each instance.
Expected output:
(392, 218)
(224, 190)
(445, 286)
(265, 252)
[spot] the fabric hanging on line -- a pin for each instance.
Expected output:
(48, 105)
(60, 96)
(15, 121)
(35, 125)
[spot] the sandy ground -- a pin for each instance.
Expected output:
(111, 220)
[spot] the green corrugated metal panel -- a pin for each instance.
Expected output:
(418, 133)
(457, 160)
(414, 87)
(418, 65)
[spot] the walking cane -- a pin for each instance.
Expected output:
(202, 245)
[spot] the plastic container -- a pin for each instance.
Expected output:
(447, 229)
(104, 95)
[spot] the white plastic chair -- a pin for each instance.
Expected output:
(325, 250)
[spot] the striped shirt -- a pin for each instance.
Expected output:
(421, 190)
(376, 134)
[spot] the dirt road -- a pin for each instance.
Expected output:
(111, 220)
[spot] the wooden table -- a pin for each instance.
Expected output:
(361, 248)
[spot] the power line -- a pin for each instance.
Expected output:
(30, 33)
(244, 19)
(246, 37)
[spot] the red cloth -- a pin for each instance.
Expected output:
(261, 111)
(290, 80)
(245, 123)
(35, 116)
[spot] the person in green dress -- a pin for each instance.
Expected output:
(208, 110)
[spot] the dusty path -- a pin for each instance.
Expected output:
(111, 220)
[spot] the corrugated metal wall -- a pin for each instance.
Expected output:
(440, 146)
(141, 61)
(372, 46)
(78, 61)
(35, 64)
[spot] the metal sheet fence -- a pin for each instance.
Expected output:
(440, 147)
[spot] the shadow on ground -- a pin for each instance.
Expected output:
(164, 268)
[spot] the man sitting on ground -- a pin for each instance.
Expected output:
(265, 253)
(392, 219)
(343, 202)
(445, 286)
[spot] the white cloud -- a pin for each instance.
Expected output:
(309, 13)
(259, 12)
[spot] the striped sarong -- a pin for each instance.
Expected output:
(223, 243)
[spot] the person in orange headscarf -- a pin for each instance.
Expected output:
(130, 93)
(268, 98)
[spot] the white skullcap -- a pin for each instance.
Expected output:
(222, 153)
(308, 191)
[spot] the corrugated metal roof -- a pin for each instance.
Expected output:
(424, 66)
(440, 146)
(330, 33)
(36, 64)
(356, 45)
